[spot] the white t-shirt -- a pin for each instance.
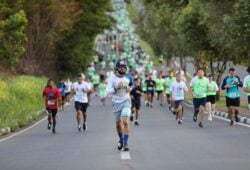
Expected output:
(246, 80)
(120, 95)
(68, 86)
(178, 90)
(81, 96)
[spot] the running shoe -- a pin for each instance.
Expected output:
(84, 126)
(53, 130)
(119, 145)
(195, 118)
(125, 147)
(200, 125)
(79, 128)
(236, 119)
(49, 126)
(136, 123)
(210, 118)
(231, 123)
(131, 118)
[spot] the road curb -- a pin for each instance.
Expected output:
(222, 114)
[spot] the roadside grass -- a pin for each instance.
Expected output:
(20, 100)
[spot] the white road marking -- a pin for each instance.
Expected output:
(22, 131)
(125, 155)
(222, 118)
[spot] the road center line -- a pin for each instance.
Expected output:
(125, 155)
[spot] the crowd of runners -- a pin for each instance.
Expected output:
(123, 71)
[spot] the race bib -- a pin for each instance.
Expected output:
(232, 95)
(51, 102)
(150, 88)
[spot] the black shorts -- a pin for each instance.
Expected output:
(199, 102)
(136, 104)
(177, 103)
(66, 94)
(150, 92)
(211, 99)
(81, 106)
(248, 97)
(233, 102)
(159, 91)
(168, 95)
(52, 111)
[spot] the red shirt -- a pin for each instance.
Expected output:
(52, 95)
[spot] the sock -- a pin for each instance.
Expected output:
(125, 139)
(120, 136)
(249, 106)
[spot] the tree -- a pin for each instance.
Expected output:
(12, 37)
(241, 28)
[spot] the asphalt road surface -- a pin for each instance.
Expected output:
(158, 143)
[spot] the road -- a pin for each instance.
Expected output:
(159, 143)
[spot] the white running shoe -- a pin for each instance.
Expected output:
(210, 118)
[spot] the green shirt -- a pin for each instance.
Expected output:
(96, 79)
(102, 89)
(212, 88)
(159, 84)
(168, 82)
(199, 86)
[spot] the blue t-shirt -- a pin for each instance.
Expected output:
(234, 84)
(61, 88)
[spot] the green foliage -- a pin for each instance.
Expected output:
(20, 101)
(76, 46)
(11, 38)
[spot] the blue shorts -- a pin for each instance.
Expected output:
(121, 110)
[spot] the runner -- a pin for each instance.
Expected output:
(231, 84)
(168, 81)
(144, 89)
(178, 89)
(68, 85)
(96, 81)
(102, 91)
(211, 95)
(199, 87)
(81, 89)
(61, 87)
(136, 94)
(51, 96)
(150, 83)
(246, 86)
(160, 87)
(118, 86)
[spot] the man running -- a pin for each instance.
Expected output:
(178, 89)
(81, 90)
(246, 86)
(61, 87)
(199, 87)
(68, 85)
(136, 94)
(150, 83)
(51, 96)
(231, 84)
(118, 86)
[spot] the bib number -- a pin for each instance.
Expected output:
(51, 102)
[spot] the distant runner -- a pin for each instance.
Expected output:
(81, 89)
(51, 96)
